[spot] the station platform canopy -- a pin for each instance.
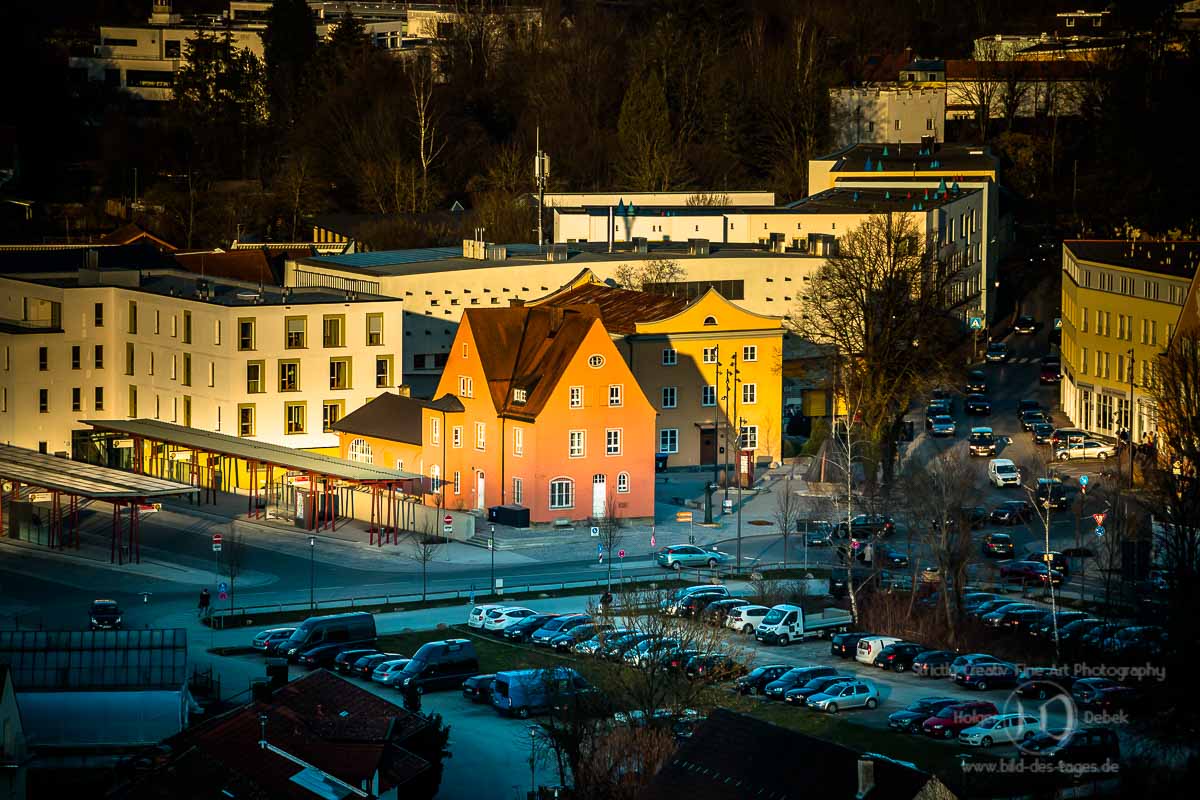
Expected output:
(78, 479)
(253, 451)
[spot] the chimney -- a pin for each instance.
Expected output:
(516, 302)
(404, 390)
(611, 233)
(866, 778)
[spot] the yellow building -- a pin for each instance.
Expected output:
(683, 351)
(1121, 301)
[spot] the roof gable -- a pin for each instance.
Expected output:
(725, 316)
(619, 309)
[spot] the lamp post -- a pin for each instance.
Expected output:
(741, 423)
(709, 491)
(492, 552)
(532, 761)
(1129, 424)
(312, 549)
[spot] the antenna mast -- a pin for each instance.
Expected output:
(541, 171)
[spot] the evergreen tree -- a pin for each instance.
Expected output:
(289, 47)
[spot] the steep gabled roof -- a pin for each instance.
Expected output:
(527, 348)
(620, 309)
(131, 233)
(394, 417)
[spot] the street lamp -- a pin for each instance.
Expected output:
(532, 761)
(492, 552)
(312, 549)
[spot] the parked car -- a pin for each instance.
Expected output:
(937, 408)
(1011, 617)
(988, 675)
(1045, 627)
(1057, 561)
(648, 650)
(1003, 472)
(913, 716)
(797, 676)
(998, 545)
(1101, 693)
(616, 649)
(1025, 325)
(595, 645)
(565, 641)
(864, 526)
(1001, 729)
(345, 660)
(1063, 436)
(976, 516)
(981, 610)
(1079, 750)
(478, 688)
(713, 666)
(342, 630)
(942, 425)
(1024, 406)
(839, 696)
(522, 629)
(957, 717)
(870, 646)
(746, 618)
(1050, 370)
(1012, 512)
(933, 663)
(716, 612)
(1029, 572)
(976, 382)
(1042, 432)
(799, 695)
(754, 681)
(961, 662)
(819, 533)
(1035, 417)
(678, 556)
(497, 619)
(264, 639)
(694, 605)
(1042, 682)
(670, 605)
(1094, 638)
(441, 664)
(889, 558)
(322, 655)
(976, 405)
(544, 634)
(477, 615)
(898, 656)
(524, 692)
(1088, 448)
(1138, 640)
(366, 665)
(388, 671)
(1074, 631)
(105, 616)
(982, 442)
(997, 353)
(845, 645)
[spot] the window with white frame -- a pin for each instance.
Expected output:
(749, 437)
(670, 357)
(456, 434)
(750, 352)
(710, 355)
(466, 386)
(577, 446)
(669, 396)
(749, 393)
(623, 483)
(708, 395)
(615, 391)
(562, 493)
(480, 436)
(612, 442)
(520, 396)
(576, 394)
(435, 430)
(668, 440)
(518, 441)
(435, 478)
(457, 482)
(518, 492)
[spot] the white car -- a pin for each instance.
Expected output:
(746, 618)
(497, 619)
(1003, 472)
(479, 613)
(851, 694)
(1001, 729)
(387, 672)
(1088, 448)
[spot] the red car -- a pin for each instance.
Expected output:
(1030, 572)
(952, 719)
(1051, 371)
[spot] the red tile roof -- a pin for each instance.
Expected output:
(131, 233)
(965, 69)
(620, 309)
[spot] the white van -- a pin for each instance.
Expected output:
(870, 646)
(745, 618)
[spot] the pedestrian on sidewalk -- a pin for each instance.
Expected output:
(205, 603)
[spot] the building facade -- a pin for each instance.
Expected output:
(1121, 302)
(886, 113)
(265, 363)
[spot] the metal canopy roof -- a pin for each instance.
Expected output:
(94, 482)
(251, 450)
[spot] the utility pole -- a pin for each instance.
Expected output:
(739, 518)
(708, 506)
(541, 171)
(492, 552)
(1129, 424)
(725, 425)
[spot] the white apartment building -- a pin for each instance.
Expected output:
(277, 365)
(699, 197)
(886, 113)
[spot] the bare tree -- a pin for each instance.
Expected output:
(233, 557)
(429, 139)
(617, 763)
(423, 549)
(645, 275)
(787, 512)
(1038, 479)
(1014, 91)
(611, 534)
(708, 199)
(980, 88)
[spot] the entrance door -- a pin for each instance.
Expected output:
(708, 446)
(1085, 409)
(599, 495)
(479, 495)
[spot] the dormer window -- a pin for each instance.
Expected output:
(519, 396)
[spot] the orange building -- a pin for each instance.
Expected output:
(536, 408)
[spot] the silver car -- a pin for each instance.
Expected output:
(851, 694)
(677, 556)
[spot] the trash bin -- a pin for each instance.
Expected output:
(660, 463)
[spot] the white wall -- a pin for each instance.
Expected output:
(872, 114)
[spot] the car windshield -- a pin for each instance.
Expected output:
(773, 616)
(942, 419)
(982, 438)
(1006, 469)
(988, 723)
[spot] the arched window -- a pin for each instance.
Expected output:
(562, 493)
(623, 482)
(710, 320)
(360, 451)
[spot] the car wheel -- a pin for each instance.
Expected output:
(899, 668)
(420, 690)
(986, 741)
(783, 640)
(748, 630)
(983, 687)
(523, 713)
(872, 702)
(1041, 694)
(1102, 456)
(712, 563)
(675, 565)
(832, 708)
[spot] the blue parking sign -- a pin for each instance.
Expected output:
(976, 323)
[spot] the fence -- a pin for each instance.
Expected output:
(307, 279)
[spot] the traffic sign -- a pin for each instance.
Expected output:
(216, 542)
(1099, 530)
(222, 587)
(652, 537)
(1099, 518)
(1083, 480)
(447, 520)
(595, 531)
(683, 516)
(975, 323)
(1058, 323)
(620, 554)
(450, 529)
(600, 552)
(223, 596)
